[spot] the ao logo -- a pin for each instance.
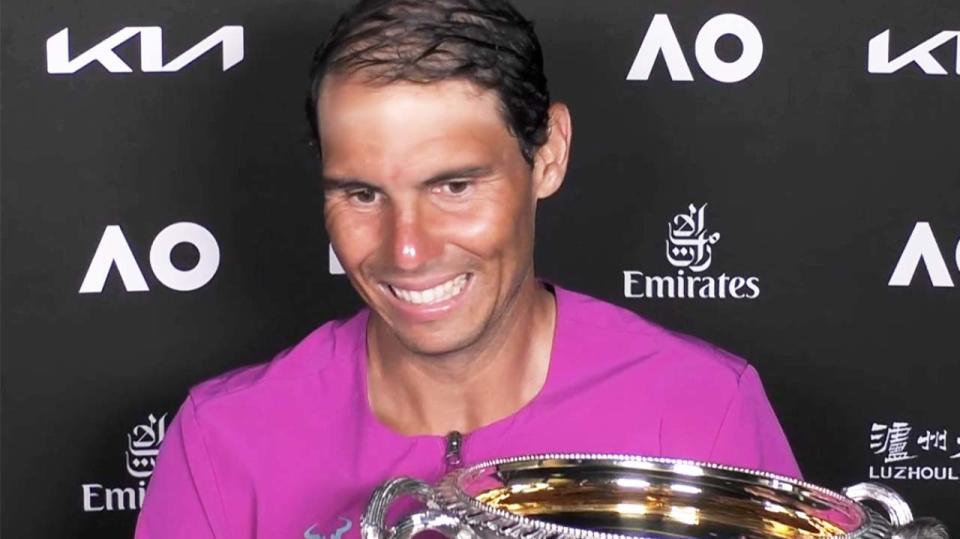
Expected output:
(114, 250)
(335, 267)
(922, 245)
(661, 38)
(151, 51)
(878, 54)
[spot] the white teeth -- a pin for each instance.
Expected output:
(437, 294)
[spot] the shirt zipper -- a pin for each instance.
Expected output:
(453, 456)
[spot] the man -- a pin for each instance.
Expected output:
(438, 139)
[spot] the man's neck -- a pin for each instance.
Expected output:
(415, 394)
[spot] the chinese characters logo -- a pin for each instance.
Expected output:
(899, 445)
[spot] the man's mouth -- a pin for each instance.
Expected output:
(438, 294)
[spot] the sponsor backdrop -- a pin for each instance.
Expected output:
(780, 178)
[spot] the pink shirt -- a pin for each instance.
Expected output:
(290, 448)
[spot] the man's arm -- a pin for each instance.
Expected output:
(183, 498)
(750, 435)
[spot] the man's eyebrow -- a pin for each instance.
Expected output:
(458, 173)
(339, 184)
(342, 184)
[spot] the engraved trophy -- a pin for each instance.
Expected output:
(573, 496)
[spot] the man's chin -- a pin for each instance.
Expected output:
(435, 345)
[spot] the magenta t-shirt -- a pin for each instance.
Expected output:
(291, 449)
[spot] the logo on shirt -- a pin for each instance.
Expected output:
(907, 453)
(689, 249)
(143, 444)
(922, 245)
(347, 524)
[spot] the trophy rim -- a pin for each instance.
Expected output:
(505, 523)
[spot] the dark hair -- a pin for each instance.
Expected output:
(486, 42)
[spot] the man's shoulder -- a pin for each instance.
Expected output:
(619, 332)
(323, 351)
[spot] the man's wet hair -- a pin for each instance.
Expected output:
(486, 42)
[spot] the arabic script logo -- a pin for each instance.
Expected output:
(143, 445)
(689, 249)
(347, 524)
(688, 244)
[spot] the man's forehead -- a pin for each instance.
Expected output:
(417, 162)
(358, 94)
(409, 126)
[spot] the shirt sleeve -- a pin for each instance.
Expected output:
(750, 435)
(183, 499)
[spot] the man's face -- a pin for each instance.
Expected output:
(429, 205)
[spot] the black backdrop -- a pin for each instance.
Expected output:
(815, 168)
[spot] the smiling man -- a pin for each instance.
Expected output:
(438, 139)
(430, 206)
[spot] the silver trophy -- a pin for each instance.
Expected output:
(573, 496)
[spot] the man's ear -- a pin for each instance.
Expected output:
(550, 161)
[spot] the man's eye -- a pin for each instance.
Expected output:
(363, 196)
(454, 187)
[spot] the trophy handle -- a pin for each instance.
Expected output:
(898, 512)
(373, 522)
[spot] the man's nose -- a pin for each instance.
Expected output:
(413, 240)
